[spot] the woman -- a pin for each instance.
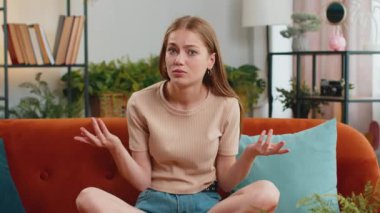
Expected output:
(183, 135)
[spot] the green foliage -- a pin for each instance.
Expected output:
(317, 203)
(120, 75)
(289, 99)
(247, 84)
(44, 103)
(366, 202)
(302, 22)
(125, 76)
(76, 85)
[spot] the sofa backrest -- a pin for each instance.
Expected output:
(49, 168)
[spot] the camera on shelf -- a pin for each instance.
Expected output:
(331, 88)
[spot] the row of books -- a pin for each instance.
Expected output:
(29, 45)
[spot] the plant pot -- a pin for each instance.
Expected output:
(300, 43)
(304, 111)
(109, 105)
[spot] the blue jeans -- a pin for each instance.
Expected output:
(153, 201)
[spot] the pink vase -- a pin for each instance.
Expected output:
(337, 42)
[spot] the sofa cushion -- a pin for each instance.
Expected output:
(9, 198)
(309, 167)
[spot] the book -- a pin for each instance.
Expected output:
(36, 45)
(47, 55)
(58, 33)
(62, 38)
(77, 39)
(73, 34)
(13, 45)
(21, 41)
(47, 46)
(11, 50)
(28, 47)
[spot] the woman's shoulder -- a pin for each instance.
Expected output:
(226, 101)
(225, 104)
(147, 91)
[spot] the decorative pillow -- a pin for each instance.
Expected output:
(309, 167)
(9, 198)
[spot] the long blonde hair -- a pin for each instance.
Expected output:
(216, 81)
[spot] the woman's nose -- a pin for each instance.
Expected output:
(179, 58)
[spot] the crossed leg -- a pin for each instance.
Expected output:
(256, 197)
(95, 200)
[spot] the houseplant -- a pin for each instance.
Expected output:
(289, 99)
(43, 103)
(247, 84)
(111, 83)
(366, 202)
(302, 23)
(123, 76)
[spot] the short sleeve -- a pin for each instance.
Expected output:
(229, 141)
(137, 127)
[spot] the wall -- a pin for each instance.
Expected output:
(127, 28)
(134, 29)
(139, 26)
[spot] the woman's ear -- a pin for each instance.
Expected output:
(211, 61)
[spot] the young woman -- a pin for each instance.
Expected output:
(183, 136)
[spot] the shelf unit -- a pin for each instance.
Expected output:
(345, 70)
(6, 66)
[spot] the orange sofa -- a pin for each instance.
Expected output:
(49, 168)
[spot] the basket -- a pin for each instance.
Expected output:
(109, 105)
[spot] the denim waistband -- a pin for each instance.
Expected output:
(211, 188)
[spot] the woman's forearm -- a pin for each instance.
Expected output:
(237, 172)
(130, 169)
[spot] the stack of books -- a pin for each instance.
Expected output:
(28, 44)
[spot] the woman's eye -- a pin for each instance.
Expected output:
(172, 51)
(192, 52)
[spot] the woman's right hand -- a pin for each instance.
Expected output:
(102, 137)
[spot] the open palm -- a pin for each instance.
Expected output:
(265, 147)
(101, 138)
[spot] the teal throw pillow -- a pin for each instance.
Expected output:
(9, 198)
(309, 167)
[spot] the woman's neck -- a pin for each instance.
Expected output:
(185, 97)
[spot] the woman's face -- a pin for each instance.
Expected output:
(187, 58)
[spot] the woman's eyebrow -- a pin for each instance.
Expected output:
(172, 44)
(192, 45)
(186, 45)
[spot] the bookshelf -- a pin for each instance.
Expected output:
(345, 99)
(6, 66)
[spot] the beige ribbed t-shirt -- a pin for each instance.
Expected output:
(183, 144)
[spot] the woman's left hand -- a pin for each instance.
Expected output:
(266, 147)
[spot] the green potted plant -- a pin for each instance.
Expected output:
(302, 23)
(43, 103)
(289, 99)
(123, 76)
(247, 84)
(111, 83)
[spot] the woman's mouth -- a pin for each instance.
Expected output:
(178, 73)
